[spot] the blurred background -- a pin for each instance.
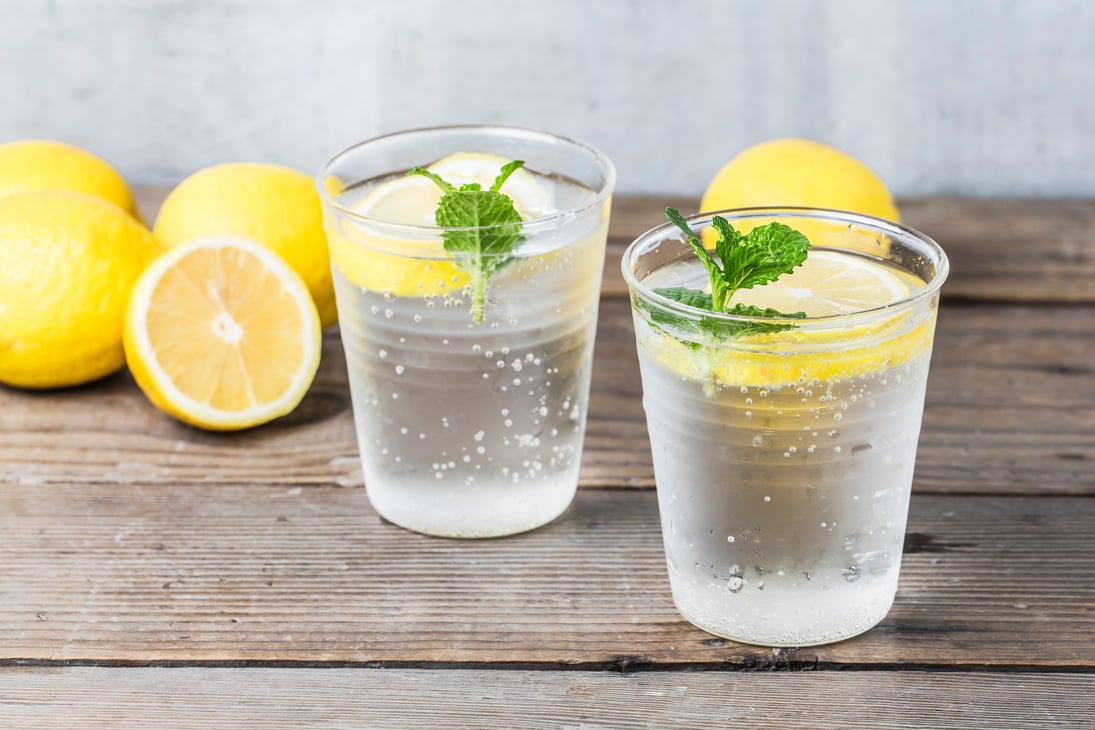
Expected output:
(966, 97)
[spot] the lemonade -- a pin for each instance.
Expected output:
(784, 459)
(469, 416)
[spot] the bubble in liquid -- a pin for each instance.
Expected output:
(389, 313)
(735, 584)
(383, 354)
(478, 435)
(399, 369)
(767, 498)
(851, 573)
(729, 538)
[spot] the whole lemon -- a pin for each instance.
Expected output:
(273, 205)
(799, 172)
(69, 262)
(33, 164)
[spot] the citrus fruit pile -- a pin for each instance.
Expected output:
(218, 312)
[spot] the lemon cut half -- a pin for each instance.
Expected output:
(222, 334)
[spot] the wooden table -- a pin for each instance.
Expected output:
(154, 574)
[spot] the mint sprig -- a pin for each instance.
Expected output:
(488, 224)
(743, 262)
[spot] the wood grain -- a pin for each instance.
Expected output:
(1001, 250)
(1010, 409)
(91, 698)
(204, 573)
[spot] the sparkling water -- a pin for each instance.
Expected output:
(783, 502)
(474, 429)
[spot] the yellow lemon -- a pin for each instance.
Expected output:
(274, 205)
(69, 262)
(34, 164)
(798, 172)
(221, 333)
(370, 258)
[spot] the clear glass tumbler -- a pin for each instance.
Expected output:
(469, 392)
(784, 460)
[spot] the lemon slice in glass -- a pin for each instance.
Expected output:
(831, 283)
(371, 258)
(828, 283)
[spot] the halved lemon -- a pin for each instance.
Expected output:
(221, 333)
(372, 260)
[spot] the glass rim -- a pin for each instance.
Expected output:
(882, 225)
(418, 231)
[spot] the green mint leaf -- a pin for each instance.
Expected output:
(765, 254)
(487, 225)
(447, 187)
(689, 297)
(714, 271)
(507, 169)
(760, 257)
(715, 328)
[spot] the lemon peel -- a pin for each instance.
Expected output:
(69, 262)
(222, 334)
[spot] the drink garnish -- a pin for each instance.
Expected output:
(485, 227)
(743, 261)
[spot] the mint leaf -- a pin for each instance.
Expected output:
(720, 329)
(488, 224)
(718, 280)
(743, 262)
(767, 253)
(689, 297)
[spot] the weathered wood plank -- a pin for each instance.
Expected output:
(264, 573)
(1000, 250)
(1011, 408)
(89, 698)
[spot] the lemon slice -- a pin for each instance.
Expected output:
(831, 283)
(376, 262)
(828, 283)
(221, 333)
